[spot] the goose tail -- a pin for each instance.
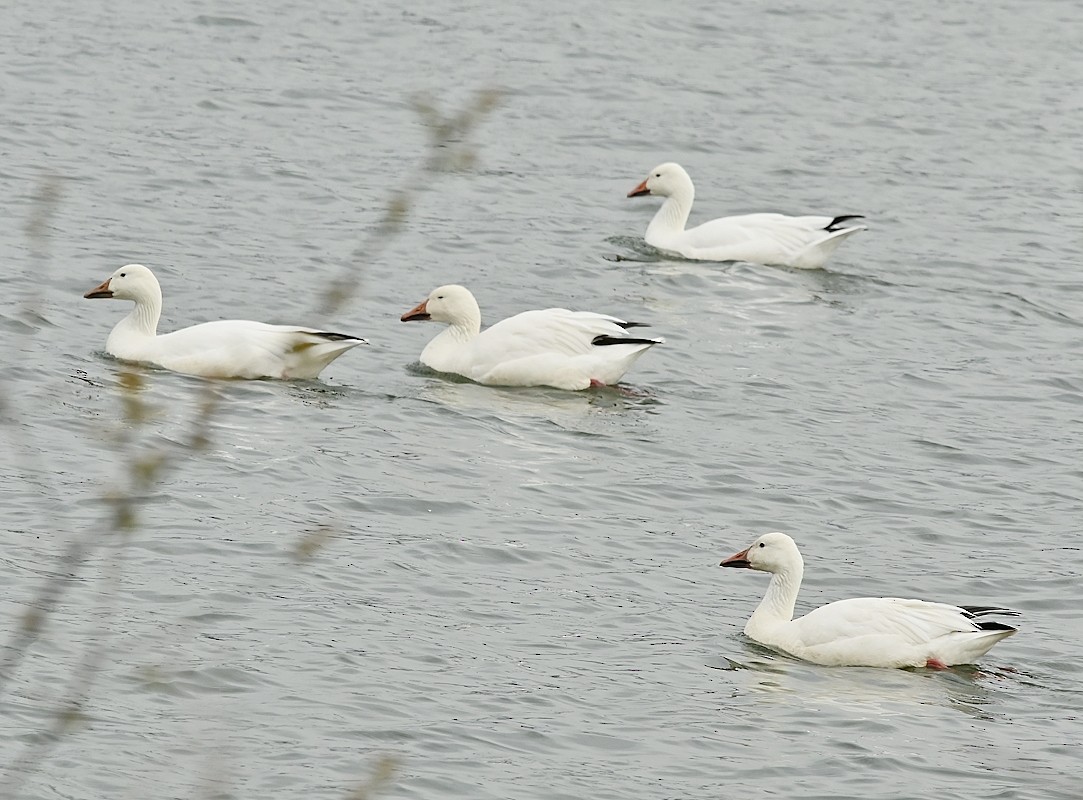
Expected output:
(841, 222)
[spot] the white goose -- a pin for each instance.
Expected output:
(771, 239)
(226, 349)
(554, 347)
(864, 631)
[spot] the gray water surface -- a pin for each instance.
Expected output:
(518, 593)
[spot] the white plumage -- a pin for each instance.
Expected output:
(774, 239)
(864, 631)
(226, 349)
(551, 347)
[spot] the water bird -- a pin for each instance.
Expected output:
(771, 239)
(551, 347)
(225, 349)
(863, 631)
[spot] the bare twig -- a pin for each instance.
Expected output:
(379, 779)
(30, 624)
(449, 151)
(144, 468)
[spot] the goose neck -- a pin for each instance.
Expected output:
(672, 217)
(143, 320)
(781, 597)
(465, 328)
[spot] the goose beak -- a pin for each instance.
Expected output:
(418, 312)
(739, 560)
(101, 290)
(639, 190)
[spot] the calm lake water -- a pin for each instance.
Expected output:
(518, 592)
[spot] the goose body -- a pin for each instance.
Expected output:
(864, 631)
(225, 349)
(804, 242)
(551, 347)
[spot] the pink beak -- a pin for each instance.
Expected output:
(102, 290)
(639, 190)
(739, 560)
(418, 312)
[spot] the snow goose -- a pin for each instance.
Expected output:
(226, 349)
(864, 631)
(772, 239)
(552, 347)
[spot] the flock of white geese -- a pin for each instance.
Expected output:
(576, 350)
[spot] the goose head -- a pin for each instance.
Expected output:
(452, 304)
(772, 552)
(130, 282)
(664, 180)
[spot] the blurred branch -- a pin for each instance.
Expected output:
(46, 201)
(312, 542)
(143, 469)
(43, 209)
(449, 151)
(382, 774)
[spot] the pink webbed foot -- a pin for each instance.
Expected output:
(624, 391)
(935, 663)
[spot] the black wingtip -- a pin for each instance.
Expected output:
(604, 339)
(981, 611)
(627, 325)
(337, 337)
(840, 222)
(995, 626)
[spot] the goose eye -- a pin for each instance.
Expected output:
(440, 297)
(658, 174)
(761, 544)
(124, 274)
